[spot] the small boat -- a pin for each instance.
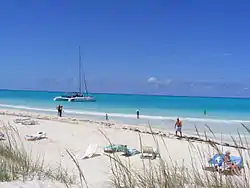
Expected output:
(78, 96)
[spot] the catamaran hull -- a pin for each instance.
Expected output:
(75, 99)
(82, 99)
(61, 99)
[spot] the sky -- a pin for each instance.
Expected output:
(173, 47)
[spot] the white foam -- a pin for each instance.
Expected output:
(26, 108)
(92, 113)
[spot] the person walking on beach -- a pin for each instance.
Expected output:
(178, 126)
(59, 110)
(138, 114)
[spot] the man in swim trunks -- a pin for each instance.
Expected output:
(178, 126)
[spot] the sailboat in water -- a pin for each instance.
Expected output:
(78, 96)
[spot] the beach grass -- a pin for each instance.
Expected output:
(17, 164)
(174, 175)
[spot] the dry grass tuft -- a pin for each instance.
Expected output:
(173, 175)
(16, 163)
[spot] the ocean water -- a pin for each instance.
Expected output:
(223, 114)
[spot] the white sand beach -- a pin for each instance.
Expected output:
(75, 135)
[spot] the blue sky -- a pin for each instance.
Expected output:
(188, 47)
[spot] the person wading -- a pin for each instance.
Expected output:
(138, 114)
(107, 117)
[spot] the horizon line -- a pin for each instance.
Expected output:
(142, 94)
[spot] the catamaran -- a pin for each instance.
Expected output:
(78, 96)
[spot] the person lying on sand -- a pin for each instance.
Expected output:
(178, 126)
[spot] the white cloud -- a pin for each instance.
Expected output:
(156, 81)
(153, 80)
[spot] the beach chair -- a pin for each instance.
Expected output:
(38, 136)
(26, 121)
(21, 120)
(90, 151)
(148, 152)
(30, 122)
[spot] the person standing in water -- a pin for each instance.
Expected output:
(205, 112)
(178, 127)
(107, 117)
(138, 114)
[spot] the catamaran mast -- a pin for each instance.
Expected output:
(85, 84)
(82, 74)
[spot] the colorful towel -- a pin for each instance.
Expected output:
(131, 152)
(115, 148)
(218, 160)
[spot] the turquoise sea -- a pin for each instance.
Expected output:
(223, 114)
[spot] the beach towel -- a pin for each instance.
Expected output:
(38, 136)
(218, 161)
(91, 151)
(115, 148)
(130, 152)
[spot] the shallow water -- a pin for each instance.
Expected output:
(224, 115)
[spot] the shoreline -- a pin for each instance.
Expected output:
(142, 129)
(126, 116)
